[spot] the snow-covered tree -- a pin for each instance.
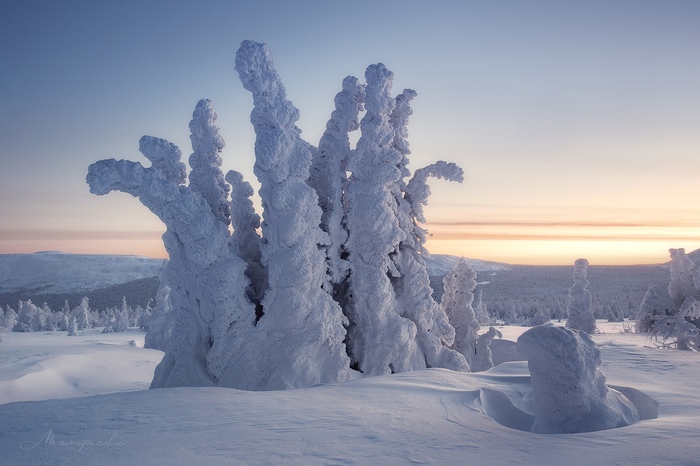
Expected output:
(304, 326)
(10, 318)
(673, 314)
(258, 312)
(381, 340)
(82, 314)
(207, 282)
(483, 356)
(578, 309)
(327, 175)
(457, 299)
(72, 327)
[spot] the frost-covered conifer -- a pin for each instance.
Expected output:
(327, 174)
(72, 327)
(682, 285)
(206, 177)
(578, 309)
(303, 325)
(82, 314)
(457, 298)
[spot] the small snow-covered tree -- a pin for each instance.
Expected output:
(578, 309)
(82, 314)
(483, 356)
(457, 299)
(673, 314)
(72, 327)
(10, 318)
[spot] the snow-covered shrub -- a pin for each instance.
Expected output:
(336, 251)
(569, 390)
(72, 327)
(578, 309)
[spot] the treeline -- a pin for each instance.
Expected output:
(28, 317)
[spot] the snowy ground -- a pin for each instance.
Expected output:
(94, 409)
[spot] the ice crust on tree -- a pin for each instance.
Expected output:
(569, 390)
(578, 309)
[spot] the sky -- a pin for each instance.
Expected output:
(577, 123)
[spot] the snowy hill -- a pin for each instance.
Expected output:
(58, 272)
(53, 277)
(440, 264)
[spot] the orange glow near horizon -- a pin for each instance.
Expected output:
(514, 244)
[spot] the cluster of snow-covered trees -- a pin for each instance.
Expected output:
(330, 279)
(673, 314)
(31, 318)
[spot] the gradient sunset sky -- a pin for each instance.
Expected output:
(577, 123)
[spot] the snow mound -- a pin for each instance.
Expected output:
(56, 272)
(569, 391)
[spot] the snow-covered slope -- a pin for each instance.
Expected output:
(430, 417)
(57, 272)
(440, 264)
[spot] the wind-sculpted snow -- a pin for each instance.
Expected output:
(569, 390)
(164, 157)
(578, 309)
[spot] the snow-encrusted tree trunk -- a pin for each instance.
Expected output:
(381, 340)
(457, 299)
(302, 323)
(327, 174)
(578, 309)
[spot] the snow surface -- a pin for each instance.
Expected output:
(432, 416)
(58, 272)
